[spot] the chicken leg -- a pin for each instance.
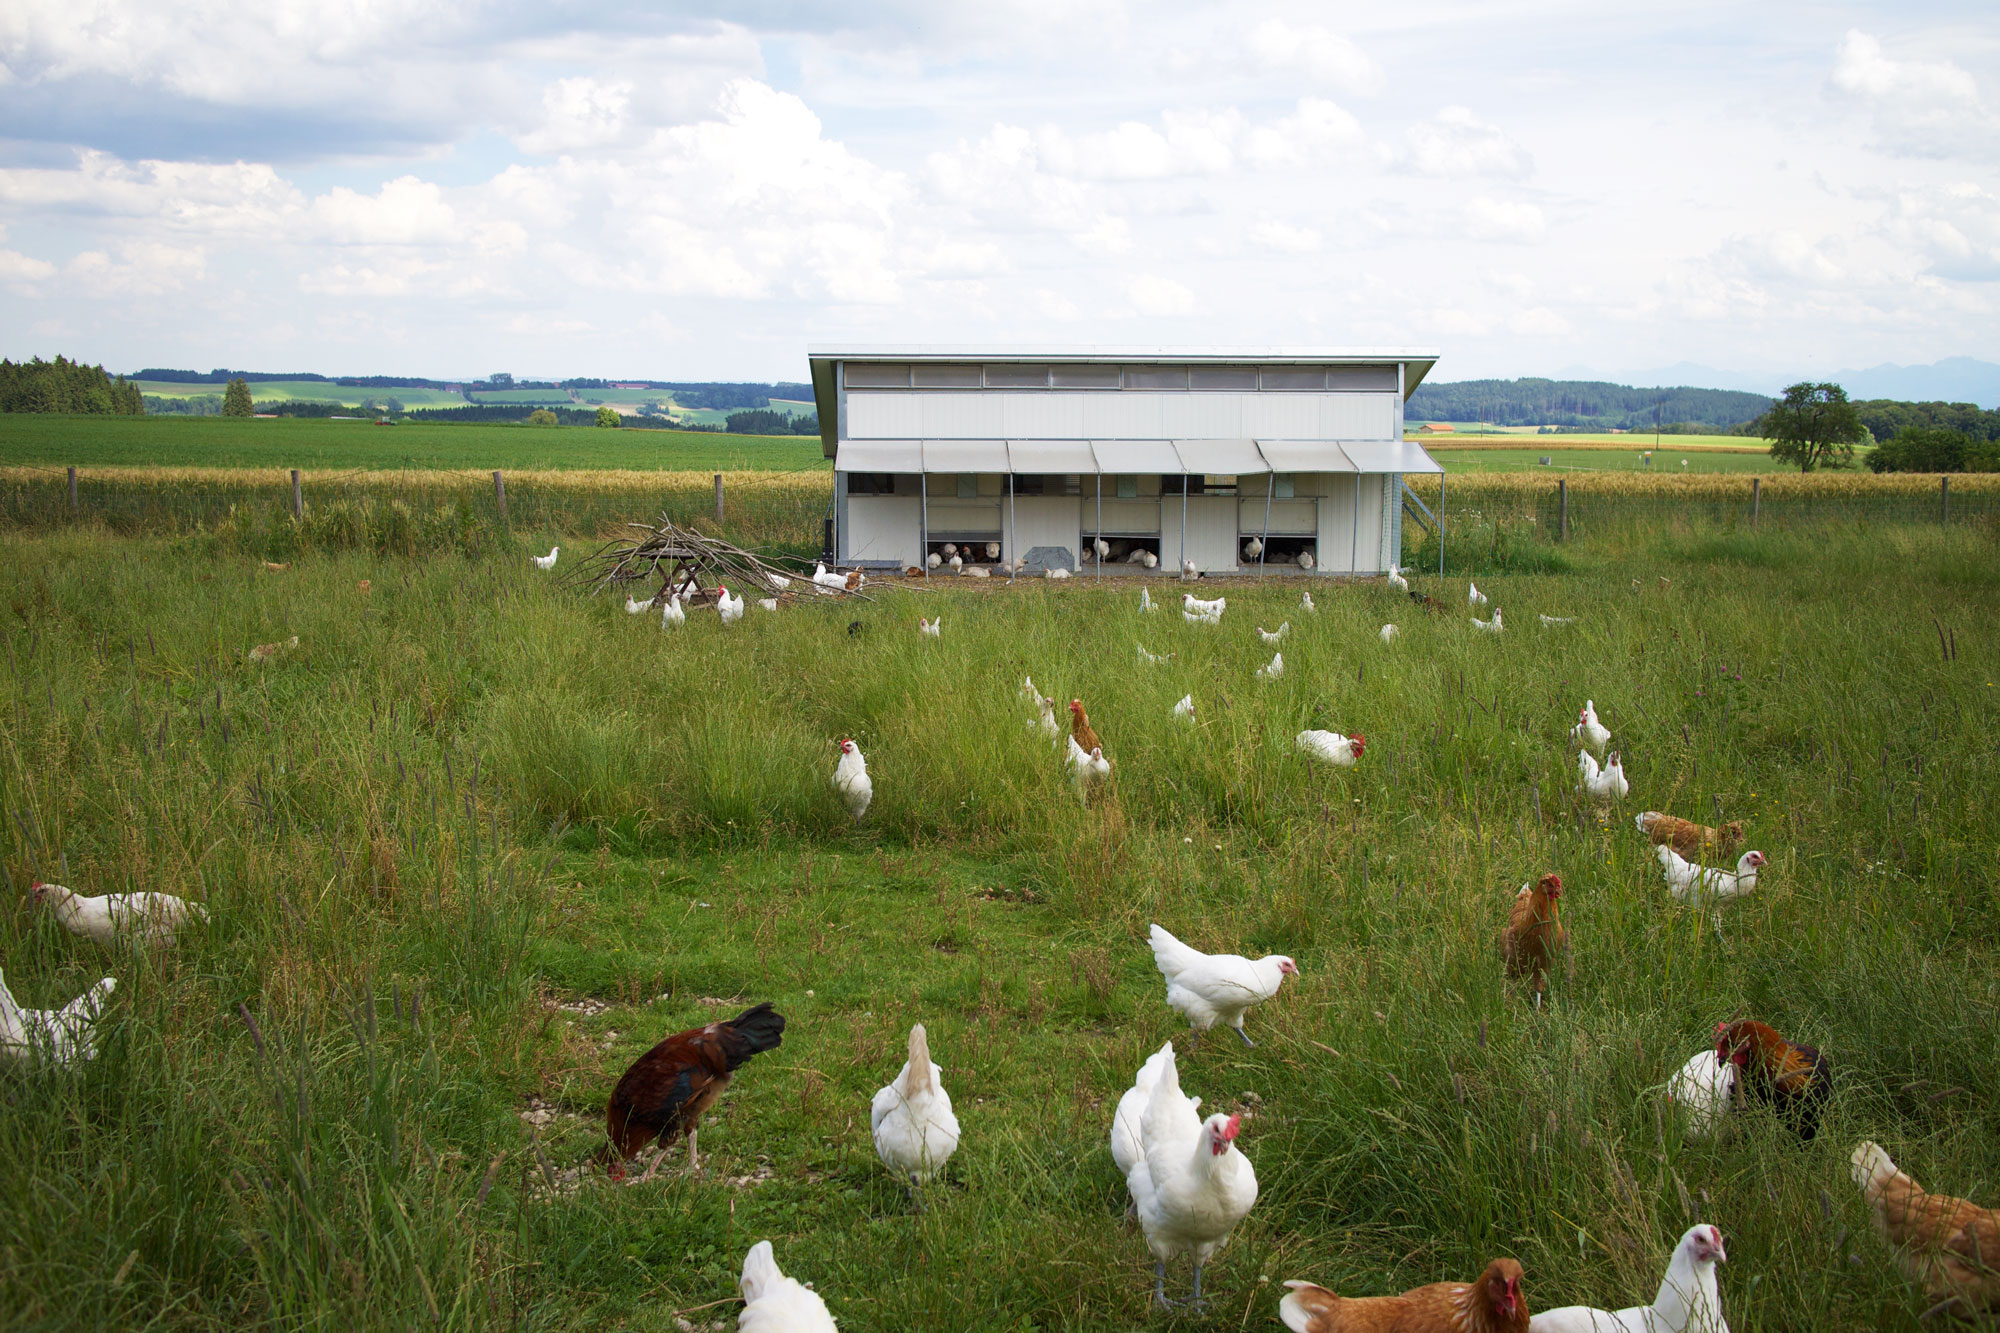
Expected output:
(1160, 1285)
(1245, 1036)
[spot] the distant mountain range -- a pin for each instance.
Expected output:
(1956, 379)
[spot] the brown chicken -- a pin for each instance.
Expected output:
(665, 1091)
(1535, 933)
(1947, 1246)
(1689, 838)
(1792, 1079)
(1493, 1304)
(1079, 727)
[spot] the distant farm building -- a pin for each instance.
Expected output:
(1170, 455)
(1436, 428)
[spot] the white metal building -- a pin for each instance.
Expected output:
(1177, 453)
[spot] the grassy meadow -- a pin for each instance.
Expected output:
(1666, 461)
(477, 842)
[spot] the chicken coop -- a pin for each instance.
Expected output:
(1120, 460)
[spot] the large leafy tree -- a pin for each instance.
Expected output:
(608, 416)
(236, 399)
(1814, 426)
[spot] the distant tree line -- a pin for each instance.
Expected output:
(1585, 403)
(63, 385)
(722, 397)
(1885, 418)
(763, 421)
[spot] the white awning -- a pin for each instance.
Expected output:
(965, 455)
(1051, 456)
(1306, 456)
(1136, 456)
(879, 456)
(1221, 458)
(1391, 456)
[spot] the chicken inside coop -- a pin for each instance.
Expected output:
(1282, 553)
(954, 552)
(1114, 552)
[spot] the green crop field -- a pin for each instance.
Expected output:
(81, 441)
(1665, 460)
(314, 391)
(535, 397)
(478, 841)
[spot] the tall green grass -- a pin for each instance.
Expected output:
(470, 797)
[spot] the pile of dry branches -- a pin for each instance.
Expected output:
(691, 563)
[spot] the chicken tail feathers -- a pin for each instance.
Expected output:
(755, 1030)
(1306, 1306)
(1873, 1168)
(920, 1062)
(760, 1271)
(1169, 954)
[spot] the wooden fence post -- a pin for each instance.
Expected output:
(72, 492)
(298, 497)
(1756, 498)
(500, 496)
(1944, 498)
(1562, 497)
(718, 497)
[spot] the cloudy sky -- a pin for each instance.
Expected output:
(697, 190)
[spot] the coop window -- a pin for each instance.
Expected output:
(968, 485)
(877, 377)
(1218, 486)
(1017, 377)
(945, 377)
(1222, 377)
(871, 483)
(1294, 377)
(1174, 483)
(1283, 485)
(1128, 488)
(1156, 377)
(1086, 377)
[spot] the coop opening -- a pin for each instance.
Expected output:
(974, 548)
(1285, 552)
(1123, 552)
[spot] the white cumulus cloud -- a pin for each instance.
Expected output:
(1152, 294)
(1455, 142)
(1321, 54)
(1919, 108)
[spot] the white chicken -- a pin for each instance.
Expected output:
(153, 917)
(1201, 617)
(1492, 626)
(975, 572)
(1389, 633)
(1127, 1147)
(1252, 549)
(1191, 1185)
(1688, 1300)
(1101, 548)
(1185, 708)
(1606, 784)
(1704, 1089)
(1397, 581)
(1305, 560)
(1274, 635)
(1138, 556)
(778, 582)
(1146, 606)
(831, 582)
(1046, 723)
(1474, 597)
(635, 607)
(1588, 730)
(64, 1037)
(547, 561)
(1704, 884)
(915, 1130)
(1086, 770)
(956, 563)
(774, 1303)
(850, 779)
(933, 560)
(1147, 559)
(931, 629)
(1188, 572)
(1336, 749)
(673, 615)
(730, 608)
(1057, 572)
(993, 550)
(1207, 989)
(1144, 656)
(1215, 607)
(1306, 604)
(950, 550)
(767, 603)
(1028, 692)
(1273, 669)
(1555, 620)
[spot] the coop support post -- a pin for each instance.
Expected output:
(1944, 496)
(500, 496)
(718, 497)
(924, 522)
(1098, 536)
(298, 497)
(72, 492)
(1440, 518)
(1013, 552)
(1354, 531)
(1270, 488)
(1562, 509)
(1756, 498)
(1186, 481)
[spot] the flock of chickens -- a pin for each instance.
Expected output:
(1189, 1182)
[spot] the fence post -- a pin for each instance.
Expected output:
(1944, 498)
(72, 492)
(1562, 496)
(500, 496)
(1756, 498)
(718, 497)
(298, 497)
